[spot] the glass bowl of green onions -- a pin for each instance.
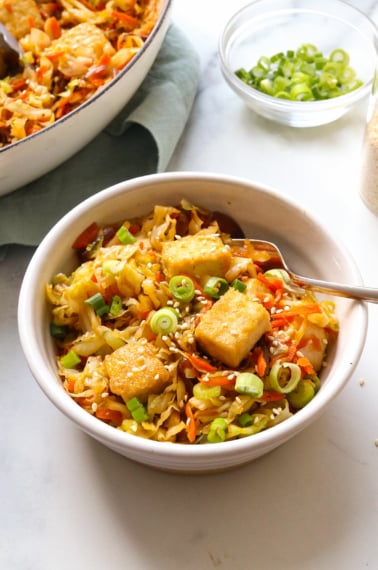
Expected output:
(301, 63)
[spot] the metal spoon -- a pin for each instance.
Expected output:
(329, 288)
(10, 53)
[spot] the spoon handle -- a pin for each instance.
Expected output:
(329, 288)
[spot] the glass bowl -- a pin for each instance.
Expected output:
(268, 27)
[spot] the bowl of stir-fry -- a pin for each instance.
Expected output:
(81, 61)
(149, 319)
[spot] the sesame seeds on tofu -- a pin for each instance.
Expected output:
(233, 325)
(198, 255)
(135, 370)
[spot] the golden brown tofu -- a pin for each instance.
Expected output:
(79, 48)
(233, 325)
(18, 14)
(198, 255)
(135, 370)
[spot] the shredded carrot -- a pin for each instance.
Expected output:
(109, 415)
(271, 396)
(200, 363)
(272, 284)
(314, 340)
(304, 363)
(71, 385)
(261, 364)
(298, 310)
(225, 381)
(126, 19)
(191, 425)
(52, 27)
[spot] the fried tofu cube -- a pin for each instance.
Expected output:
(198, 255)
(17, 15)
(231, 328)
(135, 370)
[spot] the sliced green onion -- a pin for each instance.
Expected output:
(125, 236)
(138, 411)
(284, 377)
(216, 287)
(245, 419)
(98, 304)
(116, 305)
(164, 321)
(113, 266)
(206, 392)
(259, 423)
(302, 395)
(339, 56)
(249, 384)
(239, 285)
(303, 75)
(182, 288)
(218, 431)
(278, 274)
(70, 360)
(58, 331)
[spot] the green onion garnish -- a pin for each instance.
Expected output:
(116, 306)
(98, 304)
(58, 331)
(138, 411)
(215, 287)
(245, 419)
(303, 75)
(249, 384)
(164, 321)
(206, 392)
(125, 236)
(218, 431)
(278, 274)
(239, 285)
(182, 288)
(284, 377)
(302, 395)
(70, 359)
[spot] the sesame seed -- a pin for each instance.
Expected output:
(156, 377)
(376, 443)
(94, 407)
(361, 381)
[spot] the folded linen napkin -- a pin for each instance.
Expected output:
(139, 141)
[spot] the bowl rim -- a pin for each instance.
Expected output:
(132, 444)
(103, 90)
(286, 105)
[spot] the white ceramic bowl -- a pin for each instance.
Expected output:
(262, 213)
(267, 27)
(41, 152)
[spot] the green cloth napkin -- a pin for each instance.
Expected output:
(139, 141)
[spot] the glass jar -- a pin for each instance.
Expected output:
(369, 168)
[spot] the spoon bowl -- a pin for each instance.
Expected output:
(276, 259)
(10, 53)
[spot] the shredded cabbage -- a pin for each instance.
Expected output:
(122, 358)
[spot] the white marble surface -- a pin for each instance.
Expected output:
(69, 503)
